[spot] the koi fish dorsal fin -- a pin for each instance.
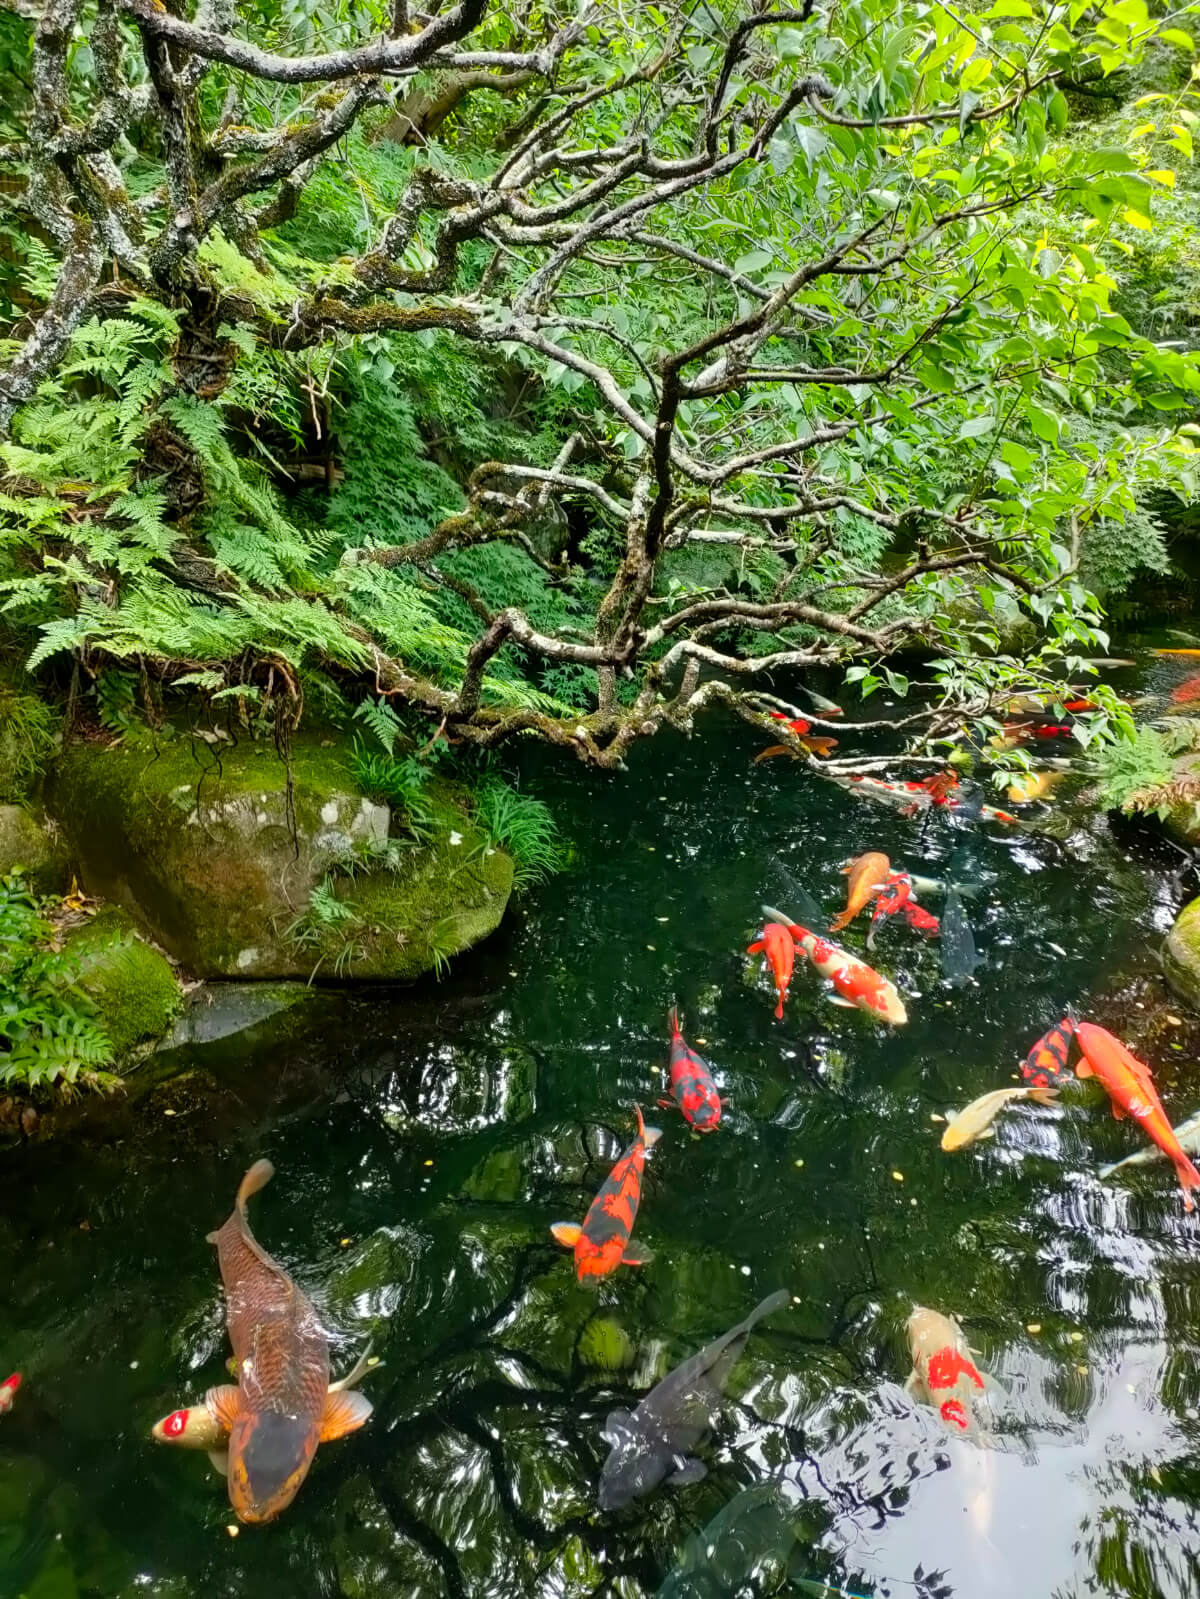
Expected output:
(566, 1233)
(344, 1412)
(223, 1404)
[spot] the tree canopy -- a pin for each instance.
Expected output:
(566, 370)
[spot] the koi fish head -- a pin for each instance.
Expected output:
(269, 1457)
(8, 1391)
(194, 1428)
(795, 725)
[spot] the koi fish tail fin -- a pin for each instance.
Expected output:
(651, 1136)
(1189, 1178)
(257, 1177)
(841, 920)
(779, 1011)
(1044, 1096)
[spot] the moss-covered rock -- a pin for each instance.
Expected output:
(134, 990)
(1181, 955)
(217, 851)
(30, 846)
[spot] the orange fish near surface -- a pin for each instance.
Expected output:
(1132, 1091)
(777, 948)
(602, 1243)
(868, 875)
(281, 1408)
(8, 1392)
(856, 984)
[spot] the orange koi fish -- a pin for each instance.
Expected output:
(868, 876)
(1186, 692)
(1132, 1091)
(779, 952)
(692, 1083)
(1046, 1062)
(8, 1392)
(602, 1243)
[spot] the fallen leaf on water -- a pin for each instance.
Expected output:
(1034, 1327)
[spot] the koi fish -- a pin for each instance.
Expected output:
(910, 796)
(1031, 786)
(1046, 1062)
(1132, 1091)
(656, 1441)
(1186, 692)
(779, 952)
(795, 725)
(943, 1374)
(8, 1392)
(896, 898)
(975, 1121)
(602, 1243)
(857, 985)
(815, 745)
(1188, 1134)
(200, 1427)
(868, 875)
(1166, 652)
(692, 1084)
(826, 707)
(959, 955)
(281, 1408)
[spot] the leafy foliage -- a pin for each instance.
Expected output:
(524, 827)
(1134, 771)
(49, 1036)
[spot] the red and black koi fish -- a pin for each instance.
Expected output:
(778, 950)
(8, 1392)
(1046, 1062)
(602, 1243)
(692, 1085)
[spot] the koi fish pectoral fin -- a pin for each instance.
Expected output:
(1084, 1068)
(223, 1404)
(566, 1233)
(840, 999)
(344, 1413)
(1119, 1112)
(219, 1459)
(756, 948)
(688, 1471)
(635, 1255)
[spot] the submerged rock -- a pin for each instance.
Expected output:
(1181, 955)
(222, 1010)
(134, 989)
(30, 846)
(242, 865)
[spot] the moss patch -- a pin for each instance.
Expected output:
(132, 986)
(28, 846)
(1181, 955)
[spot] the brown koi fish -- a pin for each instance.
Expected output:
(282, 1407)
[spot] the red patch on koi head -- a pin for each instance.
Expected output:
(953, 1413)
(175, 1424)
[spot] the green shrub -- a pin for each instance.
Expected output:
(49, 1035)
(27, 732)
(524, 827)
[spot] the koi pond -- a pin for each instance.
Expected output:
(425, 1141)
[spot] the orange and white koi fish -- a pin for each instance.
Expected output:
(778, 950)
(943, 1374)
(1132, 1091)
(868, 876)
(856, 985)
(602, 1243)
(8, 1392)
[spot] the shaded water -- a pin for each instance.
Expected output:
(425, 1141)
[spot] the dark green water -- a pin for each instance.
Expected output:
(425, 1141)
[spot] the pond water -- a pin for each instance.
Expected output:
(425, 1141)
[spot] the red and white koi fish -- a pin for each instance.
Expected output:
(912, 796)
(778, 950)
(602, 1243)
(8, 1392)
(1132, 1091)
(856, 985)
(943, 1374)
(692, 1083)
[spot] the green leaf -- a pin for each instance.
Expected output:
(1177, 37)
(1056, 109)
(1043, 424)
(976, 426)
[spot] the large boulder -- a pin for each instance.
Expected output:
(1181, 955)
(243, 865)
(32, 847)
